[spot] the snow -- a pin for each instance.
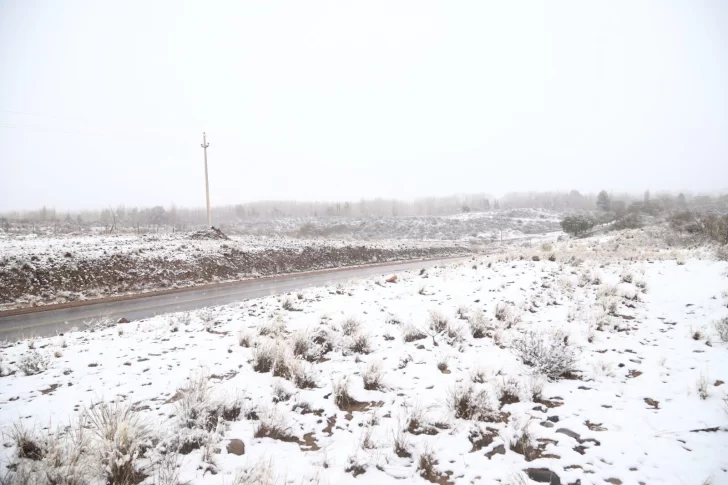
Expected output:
(632, 415)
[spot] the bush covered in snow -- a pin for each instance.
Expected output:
(546, 354)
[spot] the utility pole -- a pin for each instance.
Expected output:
(207, 184)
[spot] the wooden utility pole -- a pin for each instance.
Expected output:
(207, 184)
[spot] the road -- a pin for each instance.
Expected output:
(48, 322)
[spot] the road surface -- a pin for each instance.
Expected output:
(43, 323)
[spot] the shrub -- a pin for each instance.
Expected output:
(305, 347)
(509, 391)
(373, 376)
(702, 386)
(466, 403)
(547, 355)
(361, 344)
(340, 391)
(54, 457)
(721, 326)
(437, 322)
(28, 443)
(34, 362)
(576, 225)
(350, 326)
(478, 325)
(454, 333)
(245, 338)
(122, 438)
(427, 467)
(303, 375)
(272, 425)
(501, 311)
(410, 333)
(274, 328)
(263, 357)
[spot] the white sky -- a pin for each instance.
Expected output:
(105, 102)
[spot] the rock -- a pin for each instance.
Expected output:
(547, 424)
(122, 320)
(392, 279)
(543, 475)
(718, 383)
(569, 433)
(236, 447)
(498, 450)
(553, 419)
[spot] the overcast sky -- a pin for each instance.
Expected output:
(105, 102)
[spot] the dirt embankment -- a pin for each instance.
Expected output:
(69, 278)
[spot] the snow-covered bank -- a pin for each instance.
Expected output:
(36, 271)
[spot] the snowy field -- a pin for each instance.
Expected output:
(459, 227)
(598, 361)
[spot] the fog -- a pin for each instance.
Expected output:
(105, 104)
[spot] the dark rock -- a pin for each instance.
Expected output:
(498, 450)
(543, 475)
(236, 447)
(553, 419)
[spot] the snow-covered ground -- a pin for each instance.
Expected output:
(599, 364)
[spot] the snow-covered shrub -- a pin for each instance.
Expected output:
(207, 315)
(455, 333)
(340, 391)
(437, 322)
(427, 467)
(166, 469)
(272, 425)
(258, 473)
(373, 376)
(303, 375)
(274, 328)
(304, 346)
(33, 362)
(52, 457)
(121, 439)
(721, 326)
(702, 387)
(545, 354)
(350, 326)
(507, 312)
(245, 338)
(478, 324)
(272, 356)
(410, 333)
(467, 403)
(479, 375)
(521, 441)
(184, 318)
(360, 343)
(508, 390)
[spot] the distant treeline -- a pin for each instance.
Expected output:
(173, 218)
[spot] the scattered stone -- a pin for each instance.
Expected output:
(498, 450)
(236, 447)
(543, 475)
(653, 403)
(122, 320)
